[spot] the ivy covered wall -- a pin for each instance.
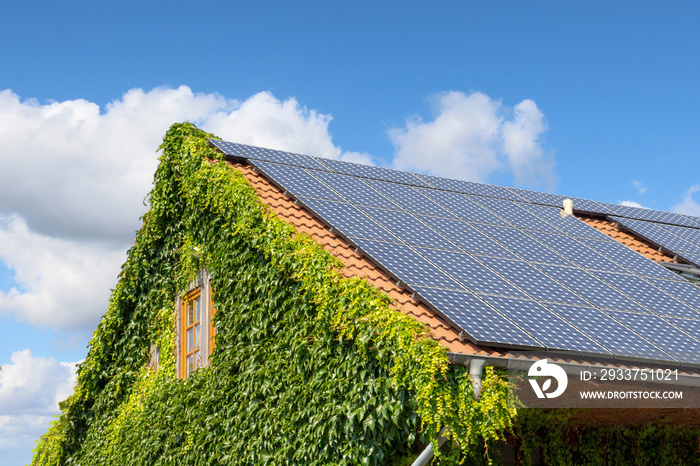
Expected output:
(309, 367)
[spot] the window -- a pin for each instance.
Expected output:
(195, 327)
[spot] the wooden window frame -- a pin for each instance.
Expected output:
(198, 290)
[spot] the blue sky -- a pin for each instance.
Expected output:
(596, 100)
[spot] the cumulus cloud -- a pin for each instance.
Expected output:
(640, 186)
(632, 204)
(30, 390)
(473, 137)
(689, 206)
(73, 177)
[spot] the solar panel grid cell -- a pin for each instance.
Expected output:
(481, 322)
(591, 288)
(616, 337)
(657, 235)
(406, 264)
(570, 224)
(530, 280)
(645, 293)
(355, 190)
(544, 325)
(472, 274)
(576, 252)
(407, 227)
(410, 199)
(658, 331)
(512, 212)
(470, 187)
(269, 155)
(374, 173)
(682, 291)
(522, 245)
(545, 199)
(464, 207)
(466, 237)
(297, 181)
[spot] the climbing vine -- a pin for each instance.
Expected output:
(309, 367)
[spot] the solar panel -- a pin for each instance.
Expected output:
(472, 274)
(610, 333)
(297, 181)
(258, 153)
(591, 288)
(410, 199)
(408, 228)
(658, 331)
(516, 215)
(522, 245)
(629, 259)
(658, 216)
(374, 173)
(470, 187)
(483, 324)
(682, 291)
(570, 224)
(348, 219)
(692, 235)
(464, 207)
(586, 205)
(545, 199)
(576, 252)
(645, 293)
(544, 325)
(530, 280)
(657, 235)
(406, 264)
(355, 190)
(693, 258)
(466, 236)
(691, 327)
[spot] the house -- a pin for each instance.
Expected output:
(283, 309)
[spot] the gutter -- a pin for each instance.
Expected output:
(685, 380)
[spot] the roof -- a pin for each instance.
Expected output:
(526, 279)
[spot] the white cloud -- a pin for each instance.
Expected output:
(640, 186)
(73, 178)
(473, 137)
(30, 390)
(632, 204)
(689, 206)
(63, 284)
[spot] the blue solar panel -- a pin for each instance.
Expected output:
(657, 235)
(410, 199)
(645, 293)
(297, 181)
(467, 237)
(682, 291)
(658, 331)
(610, 333)
(374, 173)
(469, 187)
(530, 280)
(483, 324)
(545, 199)
(348, 219)
(406, 264)
(630, 260)
(544, 325)
(355, 190)
(569, 224)
(691, 327)
(591, 288)
(692, 235)
(650, 215)
(269, 155)
(586, 205)
(693, 258)
(522, 245)
(576, 252)
(408, 228)
(516, 215)
(472, 274)
(464, 207)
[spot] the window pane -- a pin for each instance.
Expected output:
(198, 309)
(190, 313)
(190, 363)
(189, 340)
(197, 336)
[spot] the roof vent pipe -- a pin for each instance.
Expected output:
(476, 367)
(568, 208)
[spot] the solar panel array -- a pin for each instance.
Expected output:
(501, 264)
